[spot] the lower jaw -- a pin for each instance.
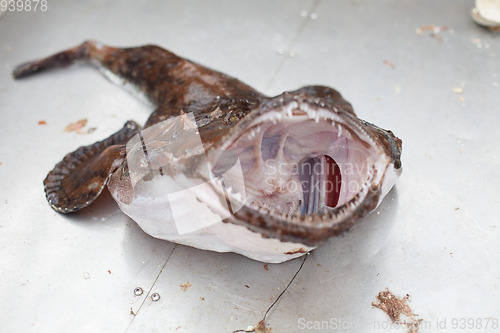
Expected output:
(154, 216)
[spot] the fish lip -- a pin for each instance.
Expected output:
(311, 230)
(314, 229)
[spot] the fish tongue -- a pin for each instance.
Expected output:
(320, 180)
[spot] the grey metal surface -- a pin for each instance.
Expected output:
(435, 237)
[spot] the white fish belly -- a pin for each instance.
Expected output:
(152, 209)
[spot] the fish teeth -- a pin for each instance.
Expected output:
(340, 130)
(311, 113)
(251, 135)
(289, 110)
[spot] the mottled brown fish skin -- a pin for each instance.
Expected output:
(173, 84)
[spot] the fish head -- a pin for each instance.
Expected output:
(311, 168)
(298, 167)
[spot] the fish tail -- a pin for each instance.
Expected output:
(142, 67)
(89, 50)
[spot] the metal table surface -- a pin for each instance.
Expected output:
(435, 237)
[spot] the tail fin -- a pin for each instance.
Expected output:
(83, 52)
(142, 67)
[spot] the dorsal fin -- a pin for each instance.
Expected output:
(80, 177)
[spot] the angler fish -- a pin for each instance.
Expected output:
(222, 167)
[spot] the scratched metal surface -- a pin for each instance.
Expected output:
(435, 237)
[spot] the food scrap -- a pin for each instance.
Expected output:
(299, 250)
(434, 28)
(458, 90)
(390, 64)
(265, 267)
(42, 122)
(77, 127)
(185, 286)
(395, 308)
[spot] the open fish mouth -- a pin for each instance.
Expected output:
(308, 164)
(302, 160)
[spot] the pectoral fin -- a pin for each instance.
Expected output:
(80, 177)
